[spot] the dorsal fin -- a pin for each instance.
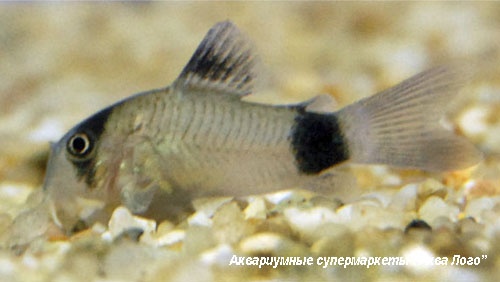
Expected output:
(223, 62)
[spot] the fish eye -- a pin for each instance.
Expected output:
(79, 145)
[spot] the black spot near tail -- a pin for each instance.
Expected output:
(317, 142)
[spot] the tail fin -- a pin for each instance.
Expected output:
(400, 126)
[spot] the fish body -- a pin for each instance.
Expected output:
(197, 137)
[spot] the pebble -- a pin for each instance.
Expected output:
(464, 220)
(418, 257)
(476, 207)
(405, 199)
(417, 224)
(434, 207)
(171, 238)
(229, 224)
(431, 187)
(271, 244)
(263, 243)
(219, 255)
(256, 209)
(122, 220)
(306, 221)
(333, 240)
(198, 239)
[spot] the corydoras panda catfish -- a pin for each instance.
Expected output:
(198, 138)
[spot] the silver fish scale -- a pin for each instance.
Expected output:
(218, 124)
(197, 137)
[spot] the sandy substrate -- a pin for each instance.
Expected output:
(60, 63)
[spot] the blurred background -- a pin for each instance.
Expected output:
(60, 62)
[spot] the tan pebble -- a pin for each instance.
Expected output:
(405, 199)
(446, 242)
(327, 202)
(165, 235)
(469, 225)
(171, 238)
(491, 221)
(54, 233)
(122, 219)
(482, 245)
(198, 239)
(443, 222)
(276, 224)
(292, 199)
(29, 225)
(129, 261)
(475, 207)
(457, 179)
(199, 218)
(379, 198)
(271, 244)
(484, 188)
(209, 205)
(381, 218)
(334, 240)
(219, 255)
(435, 207)
(305, 221)
(278, 197)
(164, 227)
(229, 224)
(473, 121)
(265, 243)
(256, 209)
(431, 187)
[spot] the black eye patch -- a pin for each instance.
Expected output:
(82, 145)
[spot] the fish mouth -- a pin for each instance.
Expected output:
(51, 167)
(66, 214)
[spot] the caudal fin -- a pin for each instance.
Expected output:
(400, 126)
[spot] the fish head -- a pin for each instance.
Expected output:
(110, 158)
(75, 178)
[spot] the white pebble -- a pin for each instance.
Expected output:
(476, 207)
(261, 243)
(200, 218)
(210, 205)
(219, 255)
(256, 209)
(172, 237)
(435, 207)
(307, 220)
(278, 197)
(473, 121)
(418, 258)
(380, 199)
(30, 261)
(405, 198)
(7, 266)
(122, 219)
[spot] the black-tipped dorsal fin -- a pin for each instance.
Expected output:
(223, 62)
